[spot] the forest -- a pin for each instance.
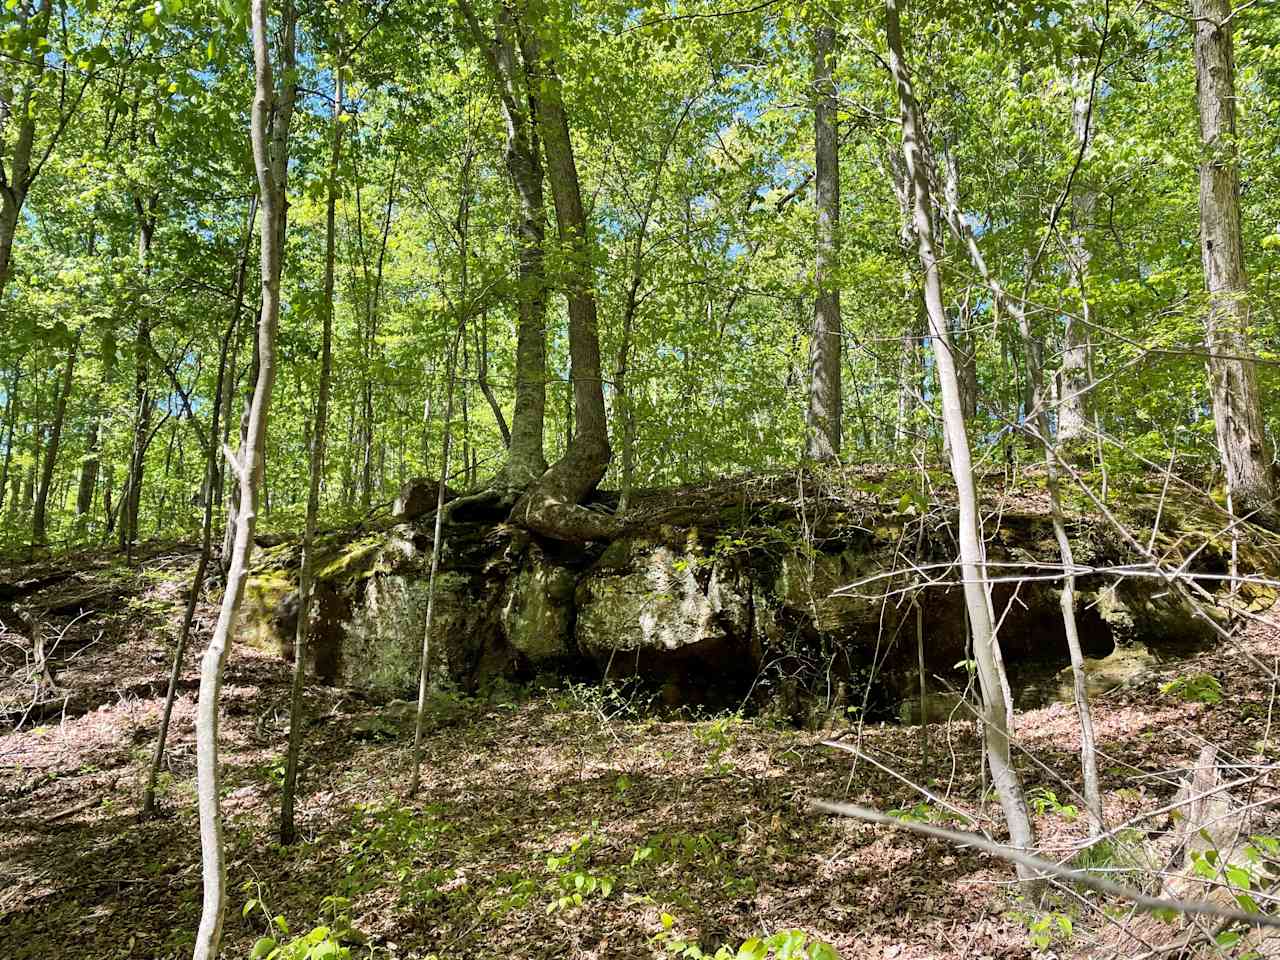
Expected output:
(614, 479)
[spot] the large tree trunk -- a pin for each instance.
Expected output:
(269, 128)
(972, 560)
(551, 506)
(18, 124)
(1075, 401)
(823, 415)
(526, 461)
(38, 532)
(1233, 381)
(10, 205)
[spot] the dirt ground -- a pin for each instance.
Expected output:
(533, 796)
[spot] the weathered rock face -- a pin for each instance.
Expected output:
(538, 609)
(717, 603)
(418, 497)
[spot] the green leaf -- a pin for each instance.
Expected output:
(262, 948)
(1239, 876)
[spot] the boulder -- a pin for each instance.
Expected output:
(537, 610)
(418, 497)
(1123, 665)
(383, 647)
(649, 596)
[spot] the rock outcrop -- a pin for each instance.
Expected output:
(745, 590)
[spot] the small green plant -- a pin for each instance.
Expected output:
(1043, 800)
(1253, 873)
(783, 945)
(922, 812)
(719, 735)
(572, 881)
(391, 843)
(328, 941)
(1048, 928)
(1194, 688)
(627, 699)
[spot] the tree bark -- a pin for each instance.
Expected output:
(824, 413)
(11, 416)
(551, 506)
(526, 461)
(38, 532)
(269, 132)
(1233, 380)
(17, 115)
(227, 395)
(318, 436)
(1074, 403)
(972, 560)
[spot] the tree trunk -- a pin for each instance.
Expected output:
(526, 461)
(318, 435)
(1233, 381)
(482, 381)
(11, 415)
(1074, 404)
(269, 128)
(824, 413)
(18, 115)
(972, 560)
(88, 482)
(38, 532)
(132, 500)
(227, 395)
(551, 507)
(10, 205)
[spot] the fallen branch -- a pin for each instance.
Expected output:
(1021, 858)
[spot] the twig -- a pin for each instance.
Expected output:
(1022, 858)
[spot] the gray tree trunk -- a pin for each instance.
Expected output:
(269, 130)
(551, 506)
(1233, 381)
(526, 461)
(38, 533)
(1074, 405)
(823, 415)
(972, 560)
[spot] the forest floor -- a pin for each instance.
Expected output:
(529, 797)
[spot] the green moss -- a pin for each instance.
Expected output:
(352, 560)
(262, 594)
